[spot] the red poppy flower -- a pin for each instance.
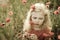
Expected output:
(2, 25)
(58, 36)
(56, 12)
(32, 7)
(24, 1)
(7, 19)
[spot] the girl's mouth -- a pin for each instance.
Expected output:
(36, 24)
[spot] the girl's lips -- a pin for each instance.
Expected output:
(36, 24)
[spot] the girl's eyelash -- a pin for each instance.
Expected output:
(35, 17)
(40, 18)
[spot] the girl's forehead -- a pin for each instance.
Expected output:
(39, 14)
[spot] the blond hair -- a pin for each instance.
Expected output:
(42, 8)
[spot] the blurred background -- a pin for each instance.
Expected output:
(13, 13)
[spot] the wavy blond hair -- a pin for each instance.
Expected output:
(41, 8)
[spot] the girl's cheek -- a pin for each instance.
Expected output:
(41, 22)
(31, 22)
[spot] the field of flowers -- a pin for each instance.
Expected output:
(13, 13)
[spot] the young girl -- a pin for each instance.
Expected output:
(37, 25)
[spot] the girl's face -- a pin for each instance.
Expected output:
(37, 18)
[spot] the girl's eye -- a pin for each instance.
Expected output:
(35, 17)
(40, 18)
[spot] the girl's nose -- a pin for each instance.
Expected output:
(37, 20)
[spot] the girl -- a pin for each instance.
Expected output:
(37, 25)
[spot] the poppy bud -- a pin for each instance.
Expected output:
(7, 19)
(56, 12)
(10, 13)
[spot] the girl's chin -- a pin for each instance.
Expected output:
(36, 24)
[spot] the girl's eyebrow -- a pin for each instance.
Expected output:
(34, 16)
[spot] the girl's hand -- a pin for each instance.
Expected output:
(51, 33)
(46, 35)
